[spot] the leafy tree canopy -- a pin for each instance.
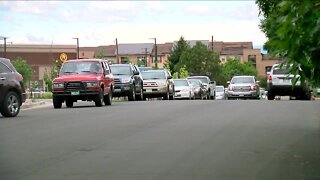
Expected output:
(182, 74)
(101, 54)
(293, 32)
(174, 58)
(49, 76)
(23, 68)
(234, 67)
(199, 60)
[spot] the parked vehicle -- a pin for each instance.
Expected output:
(210, 85)
(144, 68)
(12, 92)
(158, 83)
(127, 81)
(220, 93)
(83, 79)
(199, 89)
(183, 89)
(280, 83)
(243, 87)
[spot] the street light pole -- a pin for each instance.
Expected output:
(5, 47)
(155, 53)
(77, 47)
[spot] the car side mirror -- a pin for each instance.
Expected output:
(268, 73)
(257, 81)
(228, 82)
(136, 73)
(107, 71)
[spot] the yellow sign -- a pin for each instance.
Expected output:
(63, 57)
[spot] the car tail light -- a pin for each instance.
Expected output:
(20, 77)
(270, 78)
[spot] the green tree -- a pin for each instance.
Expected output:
(263, 81)
(293, 32)
(23, 68)
(199, 60)
(140, 62)
(101, 54)
(49, 76)
(174, 57)
(182, 74)
(234, 67)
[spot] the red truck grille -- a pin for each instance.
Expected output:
(75, 86)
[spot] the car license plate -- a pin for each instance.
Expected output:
(117, 90)
(241, 95)
(148, 90)
(74, 93)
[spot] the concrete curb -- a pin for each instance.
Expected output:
(37, 104)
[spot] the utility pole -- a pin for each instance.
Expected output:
(5, 47)
(117, 51)
(146, 57)
(156, 52)
(212, 43)
(77, 47)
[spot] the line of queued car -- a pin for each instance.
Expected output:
(98, 81)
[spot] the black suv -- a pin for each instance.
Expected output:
(127, 81)
(12, 92)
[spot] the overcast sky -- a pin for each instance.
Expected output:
(101, 22)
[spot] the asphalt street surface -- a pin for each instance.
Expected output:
(164, 140)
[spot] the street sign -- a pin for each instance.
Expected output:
(63, 57)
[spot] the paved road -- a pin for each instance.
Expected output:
(164, 140)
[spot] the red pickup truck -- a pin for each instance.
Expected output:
(83, 79)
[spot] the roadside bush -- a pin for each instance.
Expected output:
(47, 95)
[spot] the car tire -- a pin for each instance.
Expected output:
(139, 96)
(171, 97)
(166, 96)
(57, 102)
(69, 103)
(271, 96)
(99, 98)
(108, 98)
(132, 94)
(11, 105)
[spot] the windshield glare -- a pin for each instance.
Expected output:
(153, 75)
(238, 80)
(121, 70)
(203, 80)
(181, 83)
(81, 67)
(195, 82)
(219, 88)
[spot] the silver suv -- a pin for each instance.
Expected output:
(243, 87)
(158, 83)
(280, 84)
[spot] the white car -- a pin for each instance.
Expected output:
(183, 89)
(220, 92)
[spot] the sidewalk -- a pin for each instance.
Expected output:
(36, 104)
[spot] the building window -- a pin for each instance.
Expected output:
(159, 59)
(253, 60)
(125, 60)
(268, 69)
